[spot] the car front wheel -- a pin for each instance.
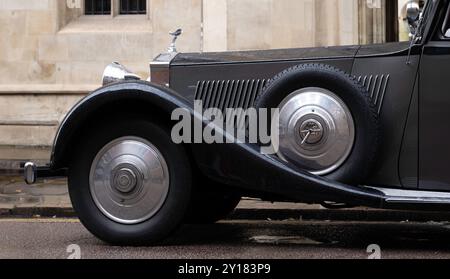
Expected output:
(129, 183)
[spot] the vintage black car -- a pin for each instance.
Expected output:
(358, 126)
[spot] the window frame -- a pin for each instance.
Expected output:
(104, 11)
(138, 11)
(115, 10)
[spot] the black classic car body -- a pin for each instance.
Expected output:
(395, 148)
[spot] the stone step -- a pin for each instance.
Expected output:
(11, 156)
(27, 135)
(28, 119)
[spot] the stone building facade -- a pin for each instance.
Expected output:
(53, 53)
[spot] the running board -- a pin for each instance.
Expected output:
(401, 197)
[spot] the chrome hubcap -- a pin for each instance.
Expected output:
(129, 180)
(317, 130)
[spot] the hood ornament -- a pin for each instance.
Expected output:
(172, 48)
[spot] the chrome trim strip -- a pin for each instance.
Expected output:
(413, 196)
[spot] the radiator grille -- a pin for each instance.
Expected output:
(223, 94)
(376, 85)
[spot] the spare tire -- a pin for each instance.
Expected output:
(328, 124)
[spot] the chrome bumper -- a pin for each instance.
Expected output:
(33, 173)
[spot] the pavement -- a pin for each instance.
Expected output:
(38, 222)
(235, 239)
(17, 198)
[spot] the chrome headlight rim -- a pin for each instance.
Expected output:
(116, 72)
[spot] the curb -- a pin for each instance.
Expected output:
(36, 212)
(268, 214)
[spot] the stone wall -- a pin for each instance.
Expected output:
(52, 55)
(263, 24)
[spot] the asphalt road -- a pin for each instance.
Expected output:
(51, 238)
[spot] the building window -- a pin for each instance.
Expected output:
(97, 7)
(133, 7)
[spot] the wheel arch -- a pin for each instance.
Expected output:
(109, 103)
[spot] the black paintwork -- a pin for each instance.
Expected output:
(387, 50)
(408, 87)
(277, 55)
(390, 60)
(394, 112)
(124, 96)
(434, 116)
(184, 78)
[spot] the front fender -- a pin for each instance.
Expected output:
(237, 164)
(87, 109)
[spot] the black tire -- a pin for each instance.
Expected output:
(363, 155)
(169, 216)
(211, 205)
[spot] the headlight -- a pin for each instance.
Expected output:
(117, 72)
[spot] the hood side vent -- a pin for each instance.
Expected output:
(376, 85)
(229, 94)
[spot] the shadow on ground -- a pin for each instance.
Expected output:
(401, 235)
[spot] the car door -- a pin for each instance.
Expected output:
(434, 112)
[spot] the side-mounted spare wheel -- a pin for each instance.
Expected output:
(129, 183)
(327, 123)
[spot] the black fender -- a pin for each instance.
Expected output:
(236, 164)
(243, 165)
(153, 96)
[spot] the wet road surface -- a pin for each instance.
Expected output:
(50, 238)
